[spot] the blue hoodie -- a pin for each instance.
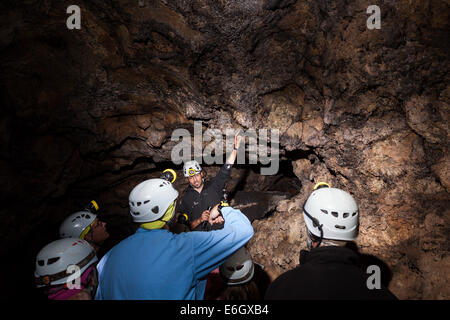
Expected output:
(157, 264)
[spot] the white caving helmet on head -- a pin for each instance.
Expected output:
(331, 213)
(150, 199)
(238, 269)
(54, 259)
(191, 168)
(77, 225)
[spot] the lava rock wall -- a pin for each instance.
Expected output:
(89, 113)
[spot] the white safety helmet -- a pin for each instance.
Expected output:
(150, 199)
(238, 268)
(334, 211)
(53, 260)
(75, 224)
(191, 168)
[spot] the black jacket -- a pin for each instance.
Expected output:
(193, 203)
(326, 273)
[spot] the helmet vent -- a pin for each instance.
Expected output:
(346, 214)
(155, 209)
(339, 227)
(88, 216)
(146, 201)
(52, 260)
(136, 213)
(139, 203)
(354, 213)
(324, 211)
(335, 214)
(236, 268)
(41, 263)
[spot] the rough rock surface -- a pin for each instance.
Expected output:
(89, 113)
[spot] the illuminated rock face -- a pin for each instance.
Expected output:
(89, 113)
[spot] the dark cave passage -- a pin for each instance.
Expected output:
(89, 113)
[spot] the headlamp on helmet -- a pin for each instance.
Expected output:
(191, 168)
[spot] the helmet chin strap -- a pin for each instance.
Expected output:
(95, 243)
(170, 224)
(158, 224)
(316, 224)
(90, 232)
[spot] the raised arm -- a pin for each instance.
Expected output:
(219, 181)
(237, 143)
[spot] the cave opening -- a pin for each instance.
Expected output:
(88, 114)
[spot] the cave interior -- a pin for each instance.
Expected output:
(89, 113)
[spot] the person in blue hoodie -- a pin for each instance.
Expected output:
(155, 263)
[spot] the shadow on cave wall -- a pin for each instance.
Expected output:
(366, 260)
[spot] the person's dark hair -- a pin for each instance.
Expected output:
(313, 237)
(326, 242)
(246, 291)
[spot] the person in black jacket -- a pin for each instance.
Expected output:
(200, 196)
(330, 269)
